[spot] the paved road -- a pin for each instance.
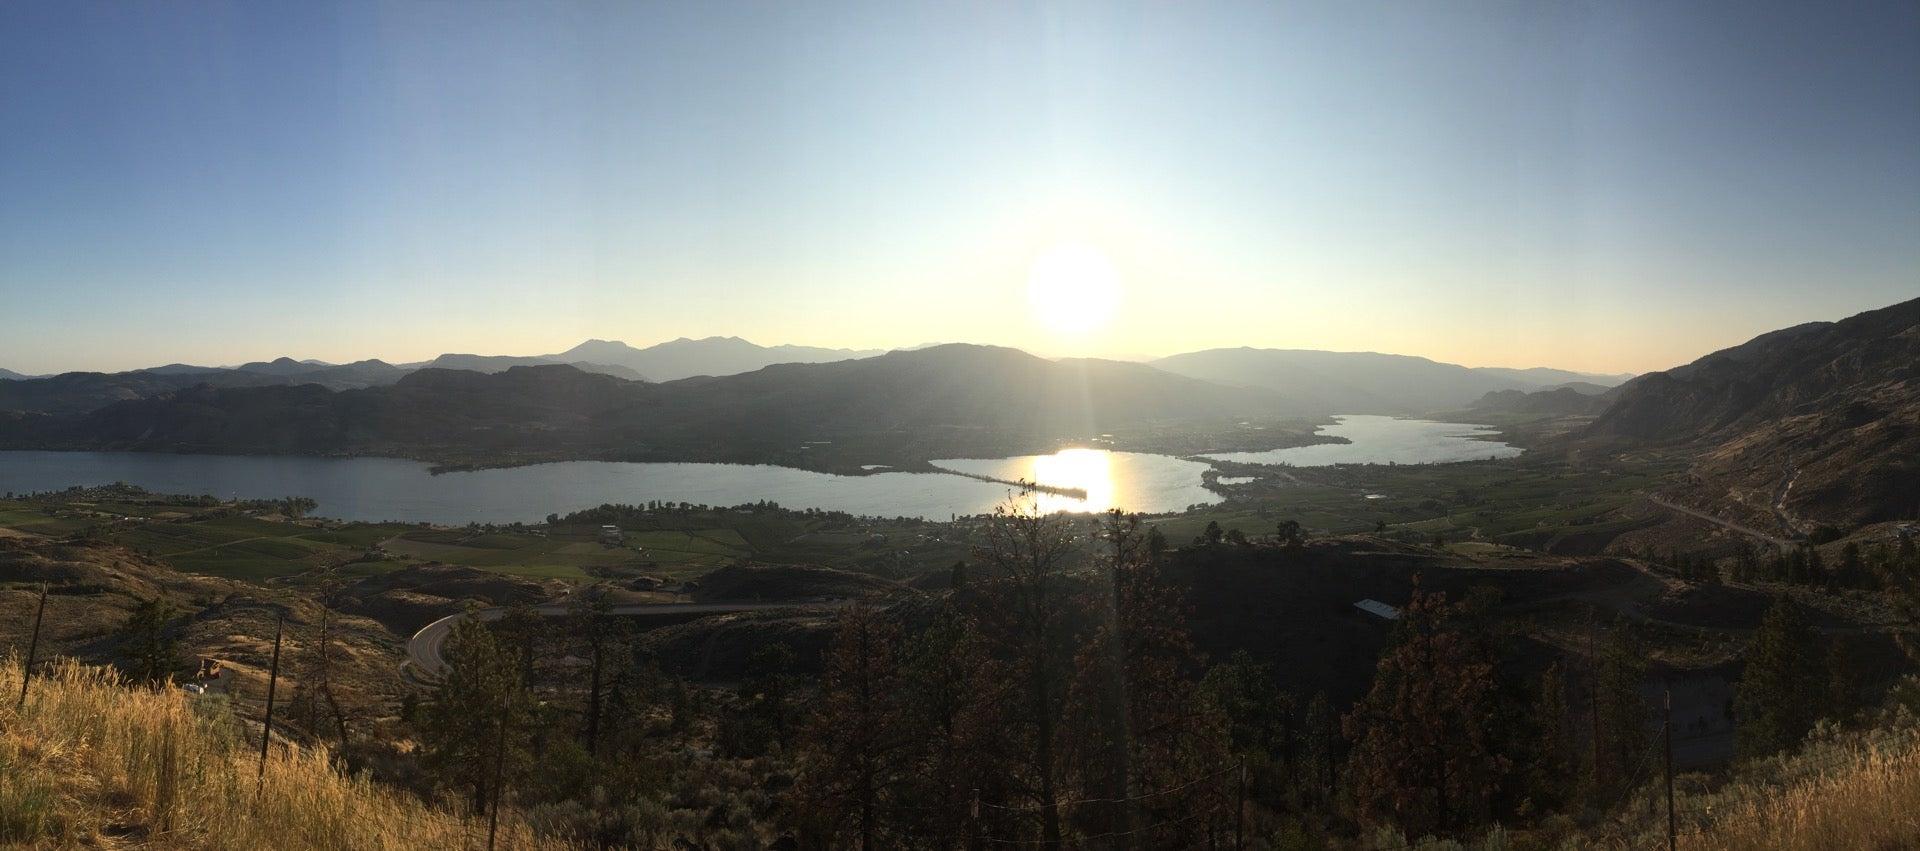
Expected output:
(1748, 531)
(424, 648)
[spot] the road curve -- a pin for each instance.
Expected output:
(1727, 524)
(424, 648)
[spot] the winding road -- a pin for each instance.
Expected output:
(425, 647)
(1748, 531)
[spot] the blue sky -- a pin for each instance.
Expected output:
(1614, 186)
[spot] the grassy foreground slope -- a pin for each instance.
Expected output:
(1863, 794)
(90, 762)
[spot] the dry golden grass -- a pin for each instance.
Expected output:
(89, 762)
(1868, 801)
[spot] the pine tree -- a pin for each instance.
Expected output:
(602, 634)
(1626, 736)
(1030, 551)
(478, 708)
(1212, 535)
(147, 642)
(1553, 751)
(763, 715)
(1746, 565)
(1136, 722)
(1319, 750)
(956, 695)
(1843, 679)
(1852, 572)
(1773, 704)
(851, 761)
(1260, 721)
(1288, 531)
(1424, 756)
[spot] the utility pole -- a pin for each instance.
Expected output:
(1672, 821)
(33, 647)
(273, 680)
(977, 835)
(1240, 810)
(499, 771)
(1593, 697)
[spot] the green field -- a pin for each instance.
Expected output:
(1519, 503)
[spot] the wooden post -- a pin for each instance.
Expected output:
(1672, 820)
(1593, 697)
(977, 832)
(1240, 810)
(273, 680)
(33, 648)
(499, 773)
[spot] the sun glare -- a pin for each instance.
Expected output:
(1073, 289)
(1090, 470)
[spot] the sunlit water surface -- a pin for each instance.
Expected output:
(1131, 481)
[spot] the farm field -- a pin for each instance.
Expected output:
(258, 543)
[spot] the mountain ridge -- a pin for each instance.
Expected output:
(941, 402)
(1815, 423)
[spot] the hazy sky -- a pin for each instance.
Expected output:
(1613, 186)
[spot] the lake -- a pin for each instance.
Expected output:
(375, 489)
(1384, 440)
(1125, 480)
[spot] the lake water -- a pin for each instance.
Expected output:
(375, 489)
(1128, 480)
(1382, 440)
(392, 489)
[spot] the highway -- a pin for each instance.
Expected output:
(425, 647)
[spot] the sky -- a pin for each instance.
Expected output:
(1604, 186)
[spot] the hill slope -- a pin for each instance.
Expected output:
(91, 762)
(1318, 382)
(1814, 423)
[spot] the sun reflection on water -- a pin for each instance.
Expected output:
(1090, 470)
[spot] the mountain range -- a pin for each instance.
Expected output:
(1307, 382)
(1817, 423)
(685, 358)
(951, 399)
(1317, 382)
(669, 361)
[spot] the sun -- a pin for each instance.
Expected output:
(1073, 289)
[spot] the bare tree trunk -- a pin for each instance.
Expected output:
(1043, 755)
(593, 697)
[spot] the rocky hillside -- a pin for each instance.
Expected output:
(1818, 423)
(93, 587)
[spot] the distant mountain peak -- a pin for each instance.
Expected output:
(685, 357)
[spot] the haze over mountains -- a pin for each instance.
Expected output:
(1364, 382)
